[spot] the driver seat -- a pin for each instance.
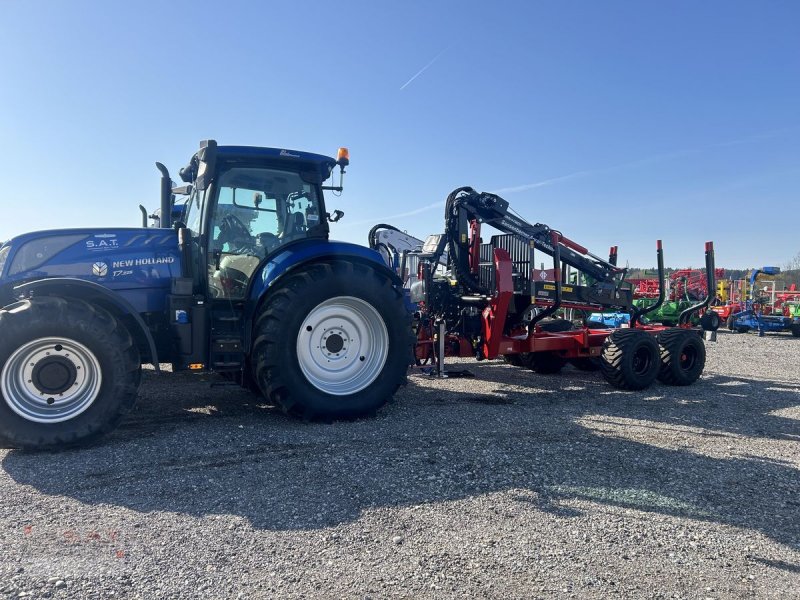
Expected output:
(295, 226)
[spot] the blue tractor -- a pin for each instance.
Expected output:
(752, 317)
(238, 277)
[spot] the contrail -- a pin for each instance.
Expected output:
(425, 68)
(643, 161)
(402, 215)
(544, 182)
(586, 172)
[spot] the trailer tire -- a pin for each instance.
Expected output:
(630, 359)
(683, 357)
(333, 341)
(796, 330)
(513, 359)
(549, 363)
(546, 363)
(710, 321)
(589, 364)
(70, 372)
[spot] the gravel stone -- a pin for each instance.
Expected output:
(508, 485)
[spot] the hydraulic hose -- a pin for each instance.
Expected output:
(451, 232)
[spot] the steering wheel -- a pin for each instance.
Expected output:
(232, 228)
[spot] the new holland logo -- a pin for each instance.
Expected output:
(99, 269)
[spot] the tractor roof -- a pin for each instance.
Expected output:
(256, 152)
(306, 161)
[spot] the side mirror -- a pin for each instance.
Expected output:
(183, 190)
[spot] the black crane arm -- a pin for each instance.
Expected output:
(465, 204)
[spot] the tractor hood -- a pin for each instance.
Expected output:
(114, 258)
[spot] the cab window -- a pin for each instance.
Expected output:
(256, 211)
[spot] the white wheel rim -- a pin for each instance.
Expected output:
(342, 345)
(51, 380)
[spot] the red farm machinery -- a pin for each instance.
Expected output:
(487, 300)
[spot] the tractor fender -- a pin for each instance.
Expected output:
(297, 255)
(68, 287)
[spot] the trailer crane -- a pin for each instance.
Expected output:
(485, 301)
(466, 209)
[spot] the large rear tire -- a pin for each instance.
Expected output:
(683, 357)
(630, 360)
(70, 371)
(333, 341)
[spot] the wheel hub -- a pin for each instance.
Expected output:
(50, 380)
(342, 345)
(334, 342)
(54, 375)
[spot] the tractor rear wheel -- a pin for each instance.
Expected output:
(630, 359)
(332, 341)
(70, 371)
(683, 357)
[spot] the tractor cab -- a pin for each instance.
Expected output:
(244, 205)
(244, 210)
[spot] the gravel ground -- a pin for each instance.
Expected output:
(509, 485)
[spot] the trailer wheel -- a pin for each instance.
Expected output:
(729, 322)
(70, 371)
(333, 341)
(586, 364)
(683, 357)
(796, 330)
(630, 359)
(513, 359)
(546, 363)
(710, 321)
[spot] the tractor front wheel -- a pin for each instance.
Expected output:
(683, 357)
(70, 371)
(333, 341)
(630, 359)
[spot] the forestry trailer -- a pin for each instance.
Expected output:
(485, 301)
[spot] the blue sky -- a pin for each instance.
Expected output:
(615, 122)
